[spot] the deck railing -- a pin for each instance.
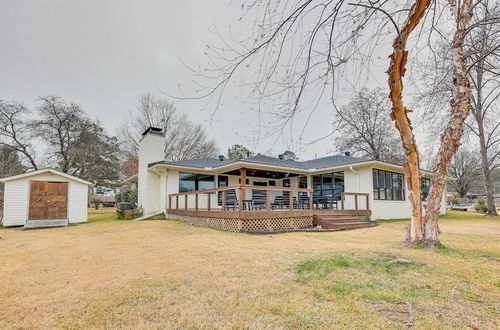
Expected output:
(234, 198)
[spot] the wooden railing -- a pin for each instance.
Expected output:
(242, 202)
(303, 200)
(356, 202)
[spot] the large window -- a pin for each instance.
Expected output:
(426, 187)
(328, 185)
(192, 181)
(388, 185)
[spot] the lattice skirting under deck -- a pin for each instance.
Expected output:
(248, 225)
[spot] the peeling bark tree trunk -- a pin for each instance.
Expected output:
(460, 106)
(399, 114)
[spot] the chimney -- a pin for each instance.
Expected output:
(347, 153)
(221, 158)
(151, 149)
(281, 156)
(248, 154)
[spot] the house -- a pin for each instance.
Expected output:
(264, 193)
(100, 201)
(44, 198)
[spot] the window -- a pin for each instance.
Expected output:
(426, 187)
(223, 181)
(328, 184)
(272, 183)
(388, 186)
(303, 182)
(192, 181)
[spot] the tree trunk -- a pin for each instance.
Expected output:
(460, 106)
(483, 149)
(399, 114)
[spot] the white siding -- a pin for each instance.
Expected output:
(16, 208)
(77, 202)
(16, 198)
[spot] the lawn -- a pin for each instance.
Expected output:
(151, 274)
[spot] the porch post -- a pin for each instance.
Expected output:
(243, 181)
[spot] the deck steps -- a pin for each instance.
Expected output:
(34, 224)
(340, 222)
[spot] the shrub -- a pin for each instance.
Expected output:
(129, 214)
(455, 202)
(128, 196)
(481, 206)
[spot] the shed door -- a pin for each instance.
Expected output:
(48, 200)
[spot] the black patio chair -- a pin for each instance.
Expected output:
(259, 199)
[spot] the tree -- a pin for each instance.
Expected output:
(289, 155)
(465, 171)
(183, 139)
(10, 163)
(59, 124)
(323, 37)
(484, 49)
(365, 129)
(95, 156)
(14, 130)
(238, 152)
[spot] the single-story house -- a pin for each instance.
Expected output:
(269, 192)
(44, 198)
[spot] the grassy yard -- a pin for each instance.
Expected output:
(151, 274)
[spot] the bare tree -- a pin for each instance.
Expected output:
(304, 46)
(15, 131)
(364, 128)
(184, 139)
(58, 125)
(466, 172)
(484, 47)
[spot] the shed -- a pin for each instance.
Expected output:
(44, 198)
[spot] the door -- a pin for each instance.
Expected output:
(48, 200)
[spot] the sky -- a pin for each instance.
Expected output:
(102, 54)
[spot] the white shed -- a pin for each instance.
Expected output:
(44, 198)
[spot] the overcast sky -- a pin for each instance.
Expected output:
(102, 54)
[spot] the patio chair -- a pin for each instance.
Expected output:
(303, 201)
(259, 199)
(231, 199)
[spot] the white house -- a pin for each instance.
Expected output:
(44, 198)
(262, 183)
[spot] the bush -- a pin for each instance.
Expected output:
(129, 214)
(455, 202)
(481, 206)
(128, 196)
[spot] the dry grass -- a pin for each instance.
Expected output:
(168, 274)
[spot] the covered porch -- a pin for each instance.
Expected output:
(260, 200)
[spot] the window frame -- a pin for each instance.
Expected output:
(388, 185)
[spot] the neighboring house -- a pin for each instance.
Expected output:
(101, 201)
(44, 198)
(274, 190)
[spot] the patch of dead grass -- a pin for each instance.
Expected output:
(171, 275)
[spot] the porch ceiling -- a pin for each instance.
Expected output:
(262, 174)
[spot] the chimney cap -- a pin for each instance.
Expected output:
(153, 130)
(347, 153)
(221, 158)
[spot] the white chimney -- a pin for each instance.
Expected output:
(151, 150)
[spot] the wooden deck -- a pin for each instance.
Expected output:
(298, 212)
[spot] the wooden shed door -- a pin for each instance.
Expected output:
(48, 200)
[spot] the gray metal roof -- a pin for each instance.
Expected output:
(319, 163)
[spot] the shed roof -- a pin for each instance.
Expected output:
(46, 170)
